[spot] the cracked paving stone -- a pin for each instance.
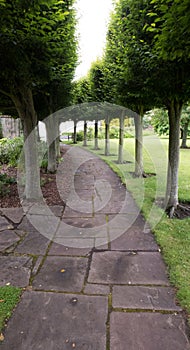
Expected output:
(15, 270)
(58, 322)
(4, 224)
(61, 274)
(34, 244)
(144, 298)
(13, 214)
(128, 268)
(7, 239)
(148, 331)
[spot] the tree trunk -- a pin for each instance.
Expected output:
(75, 133)
(1, 130)
(184, 138)
(139, 144)
(107, 138)
(121, 140)
(51, 142)
(23, 101)
(96, 135)
(171, 198)
(85, 134)
(57, 141)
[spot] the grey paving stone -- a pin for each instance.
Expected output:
(71, 213)
(34, 243)
(127, 268)
(15, 270)
(4, 224)
(135, 239)
(59, 249)
(61, 274)
(7, 238)
(55, 322)
(14, 214)
(96, 289)
(26, 226)
(145, 298)
(43, 209)
(148, 331)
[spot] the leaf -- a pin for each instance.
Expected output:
(2, 301)
(2, 337)
(63, 270)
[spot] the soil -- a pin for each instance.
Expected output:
(48, 187)
(49, 190)
(51, 194)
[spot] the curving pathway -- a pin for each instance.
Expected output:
(92, 273)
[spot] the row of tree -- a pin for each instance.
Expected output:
(38, 57)
(146, 64)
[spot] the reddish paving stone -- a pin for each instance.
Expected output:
(57, 321)
(148, 331)
(62, 274)
(144, 298)
(13, 214)
(34, 243)
(4, 224)
(127, 268)
(7, 239)
(15, 270)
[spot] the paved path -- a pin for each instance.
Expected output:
(93, 278)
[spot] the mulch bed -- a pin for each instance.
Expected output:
(49, 190)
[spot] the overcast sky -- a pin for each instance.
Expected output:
(93, 17)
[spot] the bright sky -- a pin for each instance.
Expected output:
(93, 19)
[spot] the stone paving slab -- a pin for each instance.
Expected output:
(144, 298)
(135, 239)
(57, 322)
(7, 239)
(34, 244)
(128, 268)
(59, 249)
(13, 214)
(148, 331)
(4, 224)
(61, 274)
(96, 289)
(71, 213)
(15, 270)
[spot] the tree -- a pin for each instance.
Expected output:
(33, 39)
(172, 79)
(127, 61)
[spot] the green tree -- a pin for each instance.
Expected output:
(34, 37)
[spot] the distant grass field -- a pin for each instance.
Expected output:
(172, 235)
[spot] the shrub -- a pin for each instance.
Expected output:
(10, 150)
(5, 182)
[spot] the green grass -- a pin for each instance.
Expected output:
(9, 297)
(172, 235)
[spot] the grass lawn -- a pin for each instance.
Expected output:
(172, 235)
(9, 297)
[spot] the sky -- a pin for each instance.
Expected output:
(93, 17)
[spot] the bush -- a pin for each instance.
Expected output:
(5, 182)
(10, 150)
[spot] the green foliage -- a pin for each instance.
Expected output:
(159, 121)
(5, 182)
(38, 50)
(9, 297)
(171, 28)
(10, 150)
(81, 92)
(90, 134)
